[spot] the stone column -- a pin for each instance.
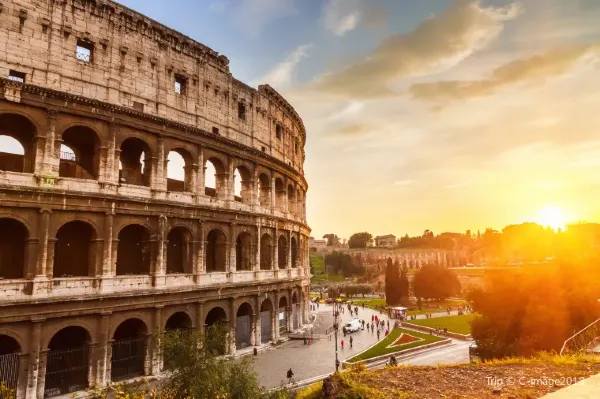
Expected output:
(232, 249)
(107, 156)
(200, 186)
(116, 169)
(50, 162)
(191, 182)
(257, 259)
(43, 248)
(31, 257)
(157, 361)
(273, 199)
(104, 351)
(285, 206)
(257, 321)
(23, 375)
(41, 379)
(255, 202)
(159, 268)
(276, 317)
(200, 316)
(275, 252)
(108, 243)
(34, 360)
(289, 250)
(160, 180)
(230, 195)
(200, 245)
(232, 326)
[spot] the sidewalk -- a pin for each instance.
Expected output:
(586, 389)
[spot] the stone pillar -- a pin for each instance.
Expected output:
(276, 317)
(232, 326)
(232, 248)
(159, 267)
(23, 375)
(200, 186)
(107, 157)
(273, 199)
(116, 169)
(50, 161)
(43, 247)
(289, 250)
(108, 243)
(255, 201)
(257, 259)
(156, 358)
(31, 257)
(275, 252)
(160, 181)
(104, 351)
(285, 204)
(34, 360)
(289, 321)
(191, 180)
(199, 266)
(256, 322)
(41, 379)
(231, 182)
(115, 254)
(200, 316)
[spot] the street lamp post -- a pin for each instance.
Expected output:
(335, 334)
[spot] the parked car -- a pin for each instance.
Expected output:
(352, 326)
(474, 352)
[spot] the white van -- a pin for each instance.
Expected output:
(352, 326)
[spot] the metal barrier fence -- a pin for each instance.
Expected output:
(9, 369)
(66, 371)
(128, 358)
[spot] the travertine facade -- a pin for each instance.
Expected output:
(99, 250)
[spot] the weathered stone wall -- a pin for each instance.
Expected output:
(135, 63)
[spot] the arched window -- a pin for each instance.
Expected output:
(179, 172)
(17, 150)
(179, 251)
(13, 240)
(129, 350)
(243, 252)
(216, 251)
(242, 185)
(282, 250)
(215, 181)
(135, 165)
(291, 199)
(74, 253)
(266, 255)
(243, 328)
(133, 250)
(264, 187)
(279, 194)
(67, 361)
(294, 252)
(79, 153)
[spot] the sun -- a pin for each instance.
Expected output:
(552, 215)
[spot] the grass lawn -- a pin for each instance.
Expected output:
(458, 324)
(369, 302)
(382, 349)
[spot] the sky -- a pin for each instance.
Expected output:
(445, 115)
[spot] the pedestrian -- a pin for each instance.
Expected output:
(290, 374)
(388, 324)
(317, 305)
(387, 332)
(378, 334)
(351, 340)
(342, 344)
(372, 317)
(372, 329)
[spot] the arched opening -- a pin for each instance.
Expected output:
(279, 194)
(243, 252)
(215, 179)
(266, 253)
(179, 172)
(294, 252)
(13, 243)
(217, 318)
(264, 187)
(299, 203)
(79, 153)
(216, 251)
(75, 253)
(133, 250)
(67, 362)
(295, 311)
(291, 197)
(282, 252)
(179, 253)
(242, 185)
(243, 326)
(135, 165)
(282, 316)
(9, 361)
(266, 321)
(129, 350)
(17, 150)
(179, 321)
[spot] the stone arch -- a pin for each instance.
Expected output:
(75, 250)
(179, 250)
(179, 321)
(294, 245)
(133, 250)
(216, 314)
(215, 176)
(266, 252)
(215, 319)
(266, 320)
(264, 189)
(242, 184)
(216, 251)
(129, 349)
(282, 252)
(282, 314)
(179, 157)
(84, 160)
(68, 361)
(135, 162)
(280, 192)
(244, 322)
(13, 248)
(9, 360)
(291, 198)
(243, 251)
(266, 305)
(22, 129)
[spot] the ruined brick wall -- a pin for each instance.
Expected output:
(137, 62)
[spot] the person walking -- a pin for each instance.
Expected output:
(351, 340)
(378, 333)
(290, 375)
(342, 344)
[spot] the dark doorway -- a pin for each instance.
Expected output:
(266, 255)
(266, 321)
(67, 362)
(133, 250)
(282, 252)
(243, 327)
(178, 251)
(129, 350)
(243, 252)
(216, 251)
(13, 240)
(74, 253)
(9, 361)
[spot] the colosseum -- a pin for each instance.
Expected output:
(142, 189)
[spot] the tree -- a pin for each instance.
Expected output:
(403, 285)
(435, 282)
(360, 240)
(198, 370)
(332, 240)
(392, 278)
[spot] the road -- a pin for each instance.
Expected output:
(308, 361)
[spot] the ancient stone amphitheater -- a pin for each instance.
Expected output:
(142, 189)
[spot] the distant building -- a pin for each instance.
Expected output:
(387, 241)
(318, 244)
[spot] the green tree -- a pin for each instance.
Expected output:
(332, 240)
(403, 285)
(198, 370)
(360, 240)
(392, 278)
(435, 282)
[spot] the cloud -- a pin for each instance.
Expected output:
(437, 43)
(281, 76)
(536, 69)
(253, 15)
(343, 16)
(353, 129)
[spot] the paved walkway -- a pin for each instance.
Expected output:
(586, 389)
(308, 361)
